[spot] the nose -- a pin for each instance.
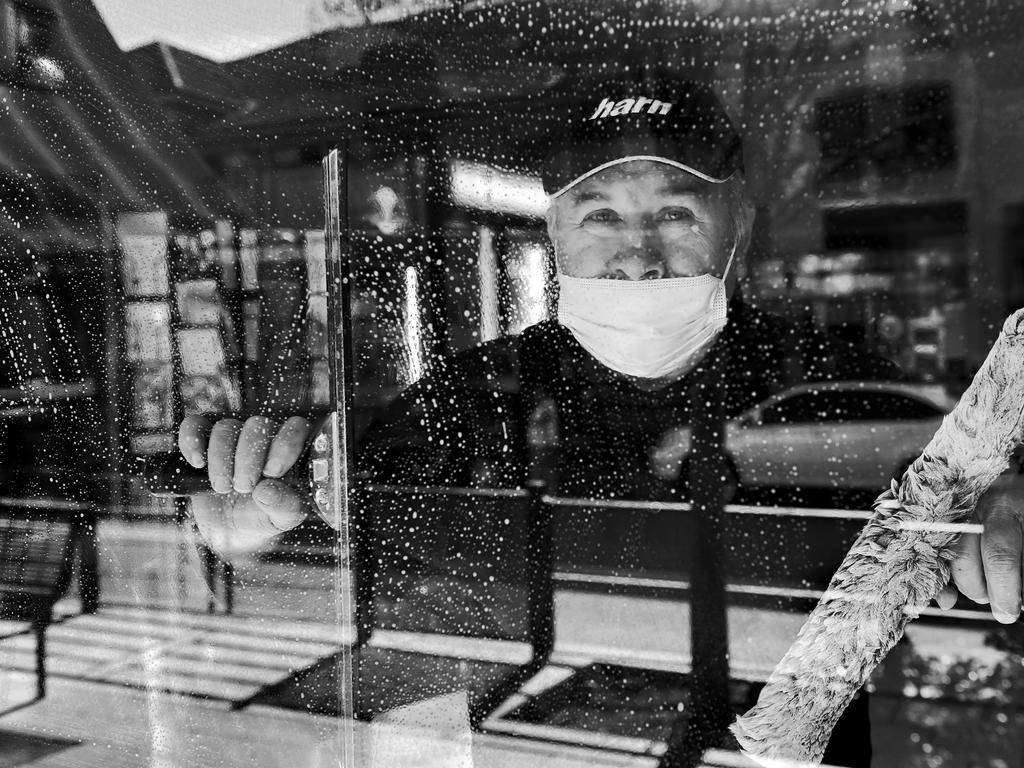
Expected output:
(638, 269)
(639, 258)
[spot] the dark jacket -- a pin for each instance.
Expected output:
(467, 423)
(540, 405)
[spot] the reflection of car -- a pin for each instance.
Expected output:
(852, 434)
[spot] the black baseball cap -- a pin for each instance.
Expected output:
(653, 116)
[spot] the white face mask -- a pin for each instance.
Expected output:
(646, 328)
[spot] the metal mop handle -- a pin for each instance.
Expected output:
(897, 565)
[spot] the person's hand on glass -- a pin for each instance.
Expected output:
(987, 566)
(246, 462)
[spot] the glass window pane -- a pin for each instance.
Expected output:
(543, 361)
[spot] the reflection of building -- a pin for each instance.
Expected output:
(884, 261)
(884, 275)
(880, 143)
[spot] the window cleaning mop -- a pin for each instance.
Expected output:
(898, 564)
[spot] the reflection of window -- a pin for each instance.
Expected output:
(869, 406)
(527, 266)
(527, 279)
(148, 335)
(798, 409)
(891, 132)
(848, 406)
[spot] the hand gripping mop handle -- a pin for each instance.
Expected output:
(897, 565)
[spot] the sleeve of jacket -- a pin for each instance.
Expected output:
(450, 428)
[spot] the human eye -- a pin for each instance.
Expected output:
(676, 213)
(602, 216)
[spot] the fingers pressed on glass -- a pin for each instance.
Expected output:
(287, 446)
(231, 523)
(1001, 554)
(967, 571)
(193, 436)
(206, 511)
(280, 505)
(221, 453)
(251, 452)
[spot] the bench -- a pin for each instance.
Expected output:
(36, 553)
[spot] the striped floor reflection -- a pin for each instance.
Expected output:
(228, 658)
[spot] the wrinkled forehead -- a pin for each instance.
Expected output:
(637, 177)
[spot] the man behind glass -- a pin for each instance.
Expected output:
(649, 219)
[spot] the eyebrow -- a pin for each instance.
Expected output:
(588, 195)
(680, 187)
(670, 187)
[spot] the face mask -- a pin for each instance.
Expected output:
(645, 328)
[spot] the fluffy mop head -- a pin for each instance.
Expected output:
(898, 564)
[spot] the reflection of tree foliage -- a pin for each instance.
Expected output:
(1009, 639)
(952, 710)
(967, 680)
